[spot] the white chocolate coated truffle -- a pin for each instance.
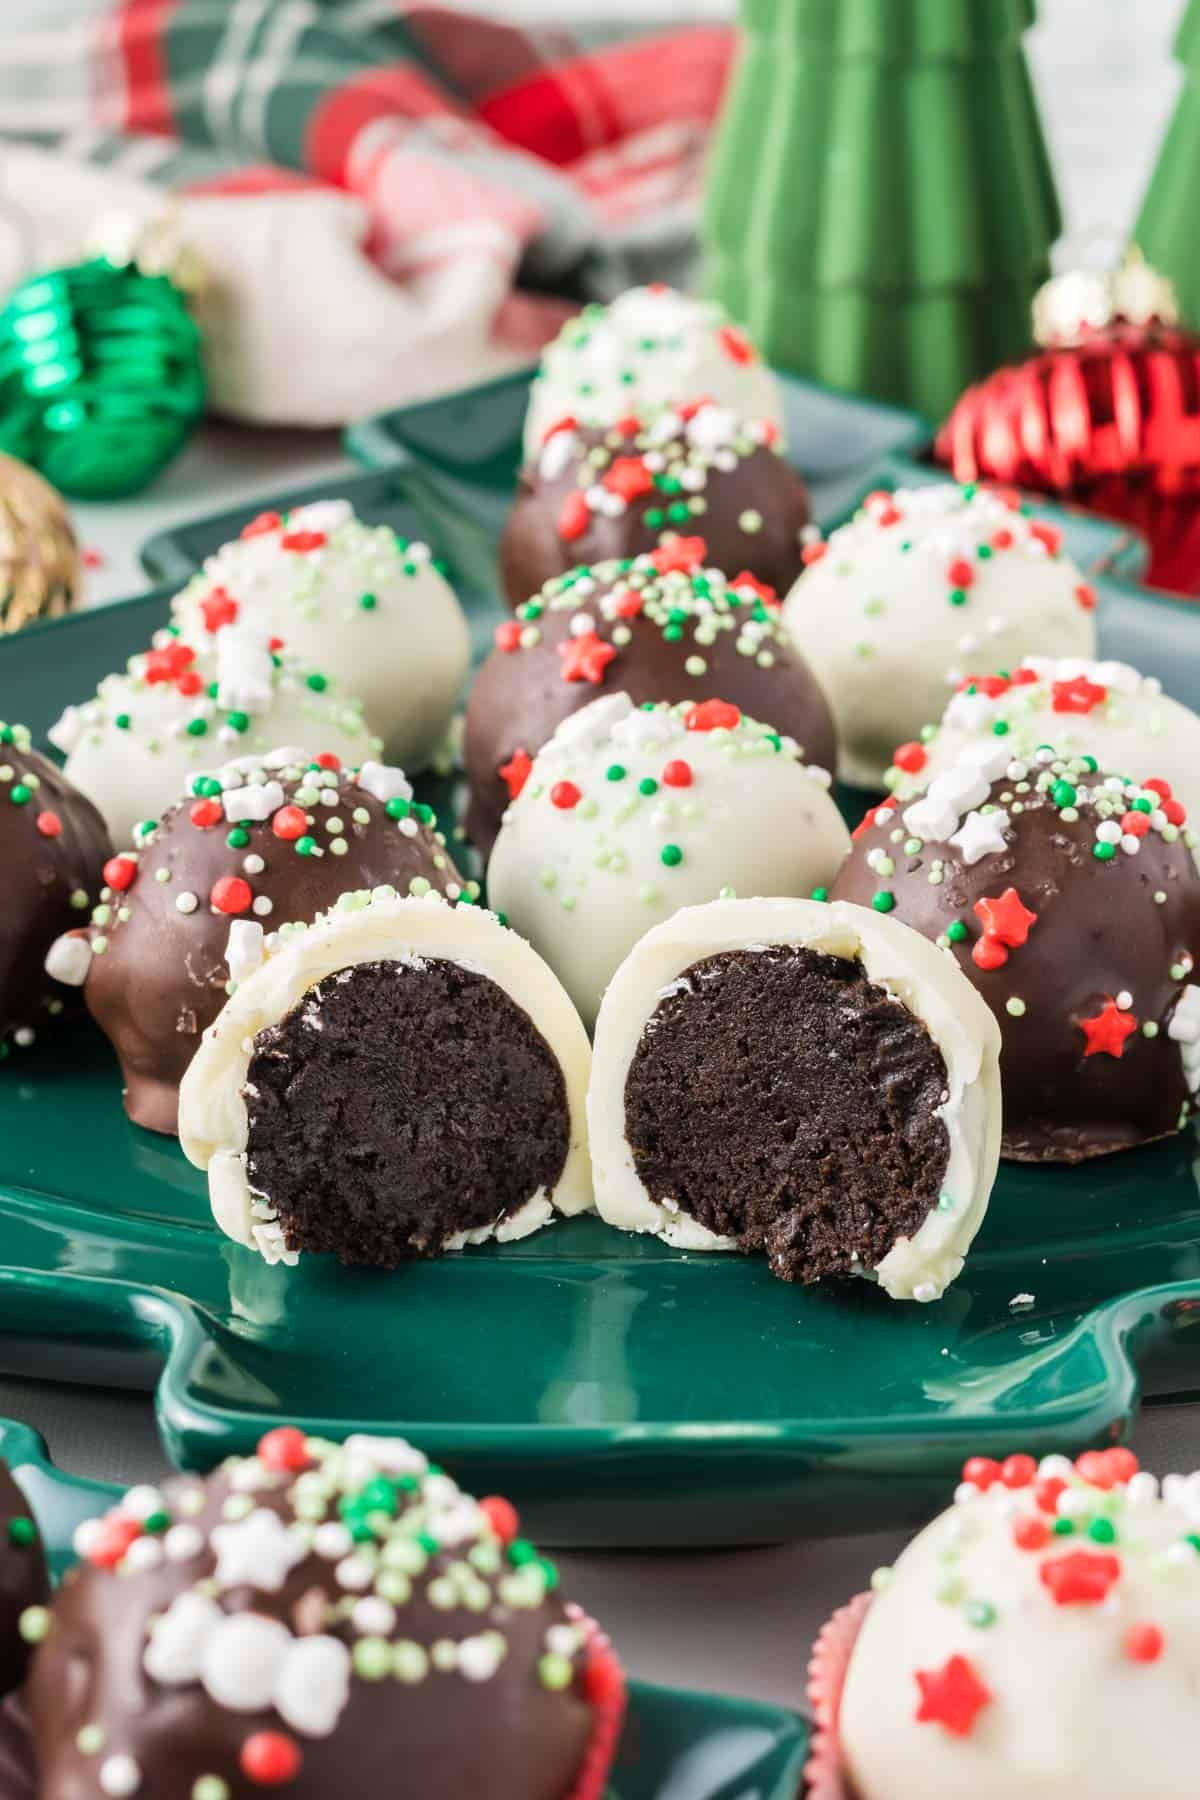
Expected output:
(910, 970)
(1002, 1659)
(373, 928)
(628, 815)
(1104, 709)
(638, 355)
(364, 607)
(134, 748)
(919, 588)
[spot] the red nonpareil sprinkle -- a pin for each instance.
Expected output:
(1144, 1643)
(302, 541)
(1046, 1491)
(189, 683)
(1079, 695)
(1082, 1577)
(568, 422)
(1006, 918)
(952, 1696)
(204, 814)
(259, 527)
(218, 608)
(502, 1516)
(120, 872)
(677, 774)
(713, 715)
(270, 1758)
(1031, 1533)
(1108, 1031)
(628, 604)
(888, 515)
(1156, 785)
(113, 1539)
(981, 1472)
(682, 556)
(275, 645)
(1049, 535)
(1174, 811)
(1018, 1471)
(515, 772)
(1085, 596)
(768, 431)
(231, 895)
(328, 759)
(284, 1450)
(960, 573)
(49, 824)
(565, 795)
(1002, 539)
(1135, 824)
(289, 823)
(746, 583)
(93, 558)
(574, 516)
(735, 344)
(508, 636)
(629, 426)
(812, 553)
(910, 757)
(629, 477)
(988, 953)
(585, 658)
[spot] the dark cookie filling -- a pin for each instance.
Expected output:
(809, 1129)
(399, 1103)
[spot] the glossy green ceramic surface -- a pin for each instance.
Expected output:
(676, 1745)
(624, 1393)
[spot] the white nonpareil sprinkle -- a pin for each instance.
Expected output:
(119, 1776)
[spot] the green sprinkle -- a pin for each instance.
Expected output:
(1102, 1531)
(205, 787)
(671, 855)
(956, 931)
(20, 795)
(820, 893)
(1104, 852)
(237, 721)
(1063, 1527)
(1063, 794)
(654, 517)
(197, 727)
(397, 807)
(883, 901)
(318, 683)
(305, 846)
(957, 596)
(368, 602)
(673, 633)
(980, 1613)
(22, 1533)
(238, 838)
(1001, 728)
(615, 772)
(122, 721)
(647, 785)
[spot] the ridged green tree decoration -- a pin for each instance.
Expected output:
(881, 206)
(1166, 231)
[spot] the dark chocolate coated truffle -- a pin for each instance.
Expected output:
(24, 1582)
(1071, 899)
(319, 1620)
(592, 495)
(660, 627)
(53, 848)
(250, 850)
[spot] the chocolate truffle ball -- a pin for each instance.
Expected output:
(53, 848)
(800, 1079)
(1040, 1638)
(592, 495)
(1070, 898)
(254, 848)
(319, 1620)
(920, 587)
(629, 814)
(180, 708)
(24, 1582)
(1107, 709)
(374, 612)
(640, 353)
(402, 1078)
(661, 627)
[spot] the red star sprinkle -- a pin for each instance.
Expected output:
(167, 664)
(1107, 1468)
(870, 817)
(265, 522)
(812, 553)
(1085, 596)
(219, 608)
(204, 814)
(910, 757)
(574, 516)
(952, 1696)
(515, 772)
(713, 715)
(1049, 535)
(736, 344)
(230, 895)
(120, 872)
(283, 1450)
(1077, 696)
(1081, 1578)
(502, 1516)
(270, 1758)
(988, 953)
(1108, 1031)
(508, 636)
(746, 583)
(629, 477)
(565, 795)
(302, 541)
(1144, 1643)
(1006, 917)
(49, 824)
(586, 658)
(682, 556)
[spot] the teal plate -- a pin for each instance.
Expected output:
(676, 1745)
(624, 1393)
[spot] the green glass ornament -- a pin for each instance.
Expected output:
(880, 205)
(101, 379)
(1166, 227)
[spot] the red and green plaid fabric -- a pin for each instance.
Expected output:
(577, 154)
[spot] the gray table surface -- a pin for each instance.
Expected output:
(739, 1622)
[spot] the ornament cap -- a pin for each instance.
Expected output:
(1083, 299)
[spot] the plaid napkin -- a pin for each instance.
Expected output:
(538, 163)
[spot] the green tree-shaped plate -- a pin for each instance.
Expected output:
(676, 1745)
(622, 1392)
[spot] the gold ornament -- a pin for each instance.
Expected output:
(39, 555)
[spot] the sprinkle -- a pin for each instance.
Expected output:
(565, 795)
(186, 902)
(230, 894)
(671, 855)
(883, 900)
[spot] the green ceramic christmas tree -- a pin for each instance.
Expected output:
(1166, 231)
(881, 206)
